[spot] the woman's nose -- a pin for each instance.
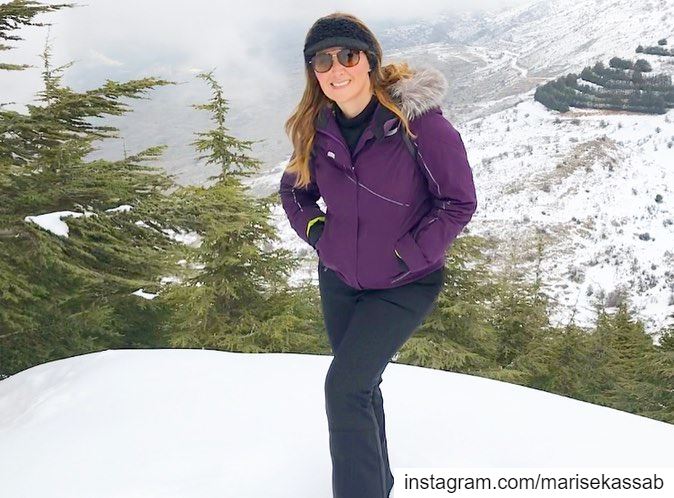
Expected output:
(337, 69)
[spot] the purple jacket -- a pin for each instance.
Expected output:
(380, 200)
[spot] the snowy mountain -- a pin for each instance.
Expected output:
(201, 423)
(492, 59)
(585, 182)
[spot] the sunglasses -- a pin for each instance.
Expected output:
(347, 57)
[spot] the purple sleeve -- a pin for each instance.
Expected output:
(444, 162)
(299, 204)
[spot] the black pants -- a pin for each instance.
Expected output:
(366, 328)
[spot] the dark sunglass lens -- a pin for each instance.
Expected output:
(348, 57)
(321, 62)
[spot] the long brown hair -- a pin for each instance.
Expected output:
(300, 126)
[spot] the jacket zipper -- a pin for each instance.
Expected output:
(401, 276)
(357, 184)
(354, 173)
(336, 140)
(423, 226)
(296, 201)
(378, 195)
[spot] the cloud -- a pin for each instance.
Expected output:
(103, 59)
(249, 44)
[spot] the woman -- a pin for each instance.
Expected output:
(390, 218)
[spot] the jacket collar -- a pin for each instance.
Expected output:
(423, 91)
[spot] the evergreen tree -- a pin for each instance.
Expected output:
(457, 335)
(667, 340)
(654, 396)
(642, 65)
(221, 147)
(617, 62)
(59, 295)
(599, 67)
(238, 300)
(630, 349)
(559, 361)
(521, 312)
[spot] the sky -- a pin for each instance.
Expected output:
(183, 423)
(125, 39)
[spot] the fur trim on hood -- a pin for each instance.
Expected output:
(423, 91)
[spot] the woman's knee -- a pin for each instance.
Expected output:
(345, 384)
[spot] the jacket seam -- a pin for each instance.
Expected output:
(427, 170)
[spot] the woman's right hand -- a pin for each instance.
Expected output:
(315, 233)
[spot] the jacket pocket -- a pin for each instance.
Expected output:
(411, 253)
(324, 249)
(402, 264)
(399, 269)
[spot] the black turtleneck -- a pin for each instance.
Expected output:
(352, 128)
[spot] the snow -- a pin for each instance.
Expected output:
(605, 171)
(143, 294)
(204, 423)
(190, 238)
(194, 266)
(124, 208)
(52, 221)
(170, 279)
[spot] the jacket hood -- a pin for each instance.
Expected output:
(425, 90)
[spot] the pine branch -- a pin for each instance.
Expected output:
(17, 14)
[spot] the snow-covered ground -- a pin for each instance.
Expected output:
(590, 190)
(202, 423)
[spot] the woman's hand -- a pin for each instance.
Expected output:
(315, 233)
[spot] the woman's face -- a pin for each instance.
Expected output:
(358, 87)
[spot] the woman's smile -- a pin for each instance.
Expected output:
(341, 84)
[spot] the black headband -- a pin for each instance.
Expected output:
(338, 32)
